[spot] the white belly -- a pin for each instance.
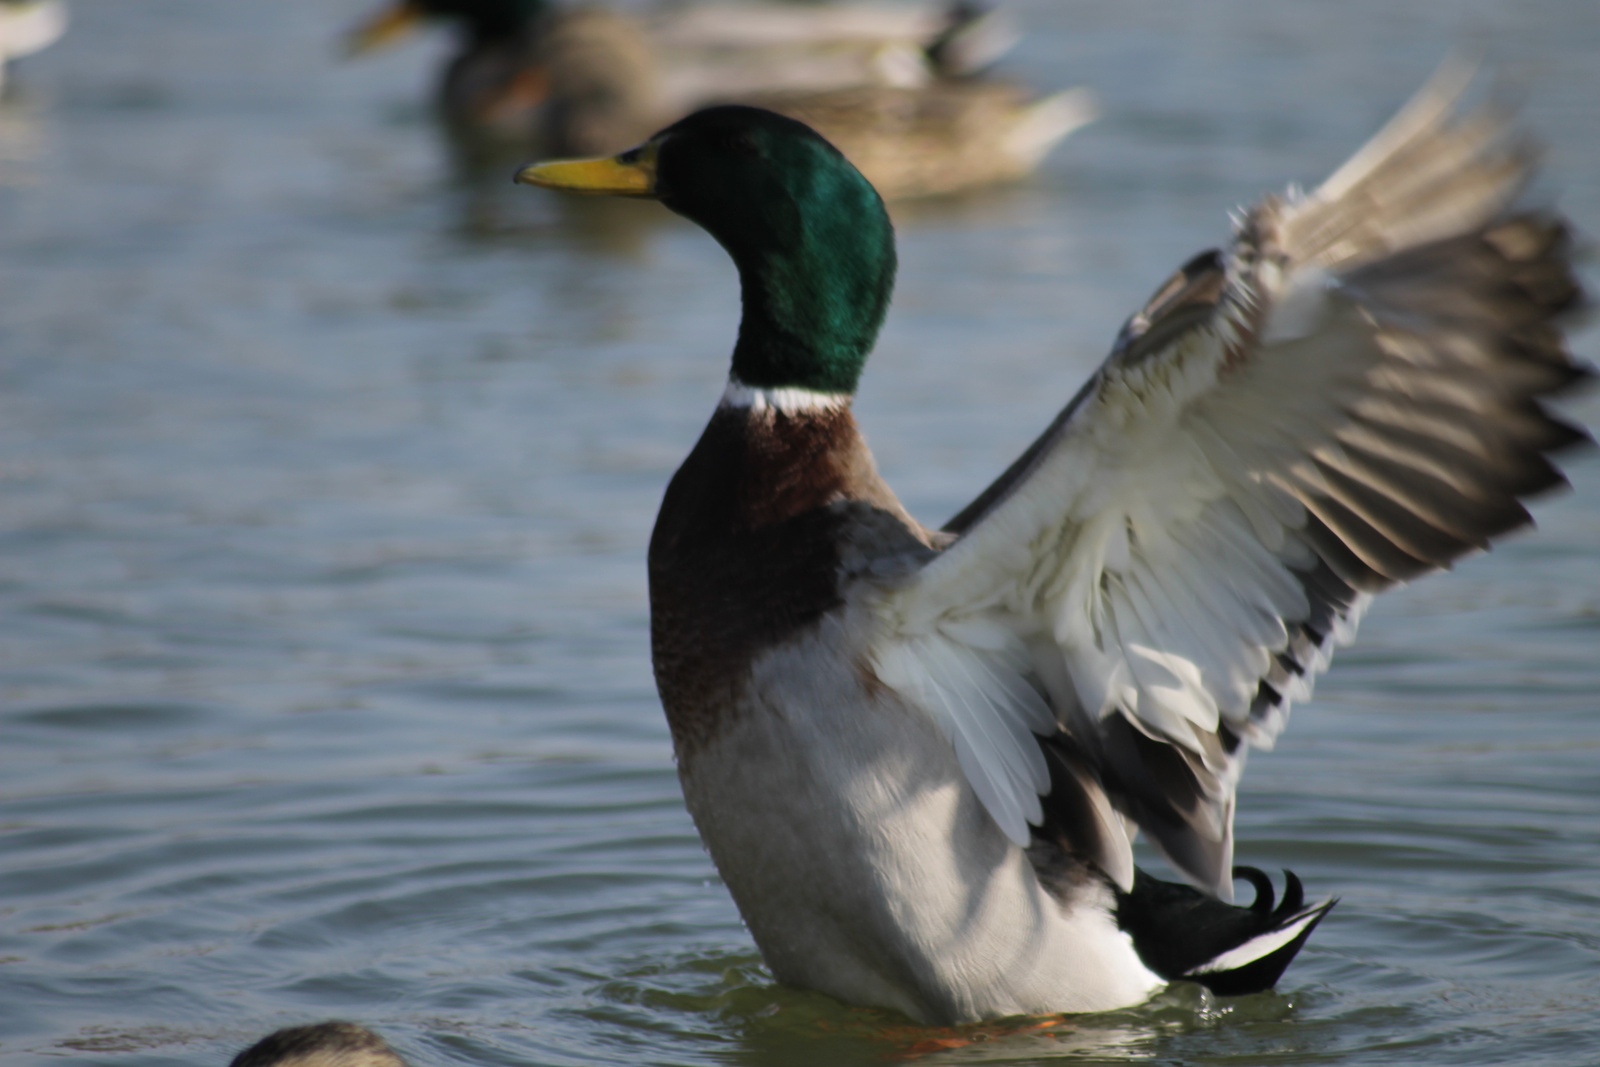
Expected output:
(865, 866)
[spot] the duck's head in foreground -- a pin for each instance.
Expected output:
(330, 1044)
(810, 236)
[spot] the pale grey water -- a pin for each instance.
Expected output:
(323, 502)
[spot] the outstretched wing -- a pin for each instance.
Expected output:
(1348, 398)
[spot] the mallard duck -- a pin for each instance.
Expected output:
(590, 80)
(329, 1044)
(26, 26)
(918, 756)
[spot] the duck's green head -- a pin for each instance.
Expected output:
(809, 234)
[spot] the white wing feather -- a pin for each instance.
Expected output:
(1346, 402)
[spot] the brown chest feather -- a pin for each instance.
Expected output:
(746, 551)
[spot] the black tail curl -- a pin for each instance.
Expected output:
(1294, 896)
(1183, 934)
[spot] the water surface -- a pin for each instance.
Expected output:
(324, 491)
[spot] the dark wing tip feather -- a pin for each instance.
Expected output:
(1340, 561)
(1157, 785)
(1071, 824)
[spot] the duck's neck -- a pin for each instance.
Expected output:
(814, 305)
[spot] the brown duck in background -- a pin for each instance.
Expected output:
(945, 138)
(885, 84)
(606, 92)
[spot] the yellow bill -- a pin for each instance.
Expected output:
(631, 174)
(384, 26)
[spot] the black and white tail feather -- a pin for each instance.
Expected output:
(1183, 934)
(1348, 398)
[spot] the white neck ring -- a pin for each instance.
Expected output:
(788, 399)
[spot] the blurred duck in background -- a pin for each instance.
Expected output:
(329, 1044)
(26, 27)
(893, 87)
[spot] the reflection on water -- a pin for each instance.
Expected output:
(325, 481)
(494, 211)
(23, 129)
